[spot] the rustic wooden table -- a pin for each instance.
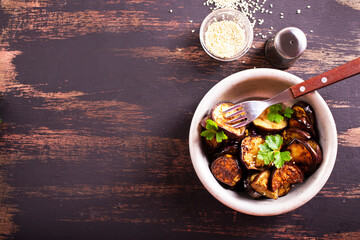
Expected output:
(98, 98)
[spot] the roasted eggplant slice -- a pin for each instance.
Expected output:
(249, 151)
(302, 155)
(226, 170)
(260, 184)
(219, 117)
(303, 124)
(317, 149)
(291, 133)
(303, 109)
(247, 185)
(264, 124)
(284, 189)
(231, 148)
(289, 173)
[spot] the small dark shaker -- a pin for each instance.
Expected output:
(283, 49)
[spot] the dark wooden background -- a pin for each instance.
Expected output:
(98, 97)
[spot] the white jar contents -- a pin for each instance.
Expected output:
(225, 38)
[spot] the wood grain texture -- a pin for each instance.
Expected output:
(97, 100)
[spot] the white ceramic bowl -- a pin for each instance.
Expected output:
(255, 83)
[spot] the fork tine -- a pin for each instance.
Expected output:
(240, 112)
(240, 124)
(233, 108)
(236, 119)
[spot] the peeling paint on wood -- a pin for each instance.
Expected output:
(350, 138)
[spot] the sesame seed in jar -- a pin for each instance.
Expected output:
(224, 38)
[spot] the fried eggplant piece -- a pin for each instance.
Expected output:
(260, 184)
(231, 147)
(303, 109)
(291, 133)
(219, 117)
(302, 155)
(249, 152)
(317, 149)
(288, 173)
(247, 185)
(284, 189)
(303, 124)
(264, 124)
(226, 170)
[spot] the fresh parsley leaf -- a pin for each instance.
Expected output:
(220, 136)
(208, 134)
(265, 148)
(267, 157)
(275, 117)
(274, 142)
(211, 125)
(270, 151)
(212, 130)
(288, 112)
(276, 113)
(281, 158)
(276, 108)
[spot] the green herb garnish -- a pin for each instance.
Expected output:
(212, 130)
(277, 114)
(270, 151)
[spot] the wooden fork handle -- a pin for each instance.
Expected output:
(325, 79)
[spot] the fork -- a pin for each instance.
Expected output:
(246, 112)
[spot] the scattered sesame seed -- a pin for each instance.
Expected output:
(193, 30)
(191, 21)
(253, 46)
(256, 34)
(269, 32)
(270, 12)
(170, 10)
(298, 11)
(308, 6)
(263, 36)
(271, 28)
(281, 16)
(311, 31)
(271, 5)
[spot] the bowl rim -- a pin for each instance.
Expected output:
(247, 44)
(256, 207)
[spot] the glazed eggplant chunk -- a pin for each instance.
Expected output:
(219, 117)
(226, 170)
(290, 134)
(264, 124)
(260, 185)
(289, 173)
(249, 151)
(265, 158)
(302, 155)
(303, 117)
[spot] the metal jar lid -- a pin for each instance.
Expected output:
(283, 49)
